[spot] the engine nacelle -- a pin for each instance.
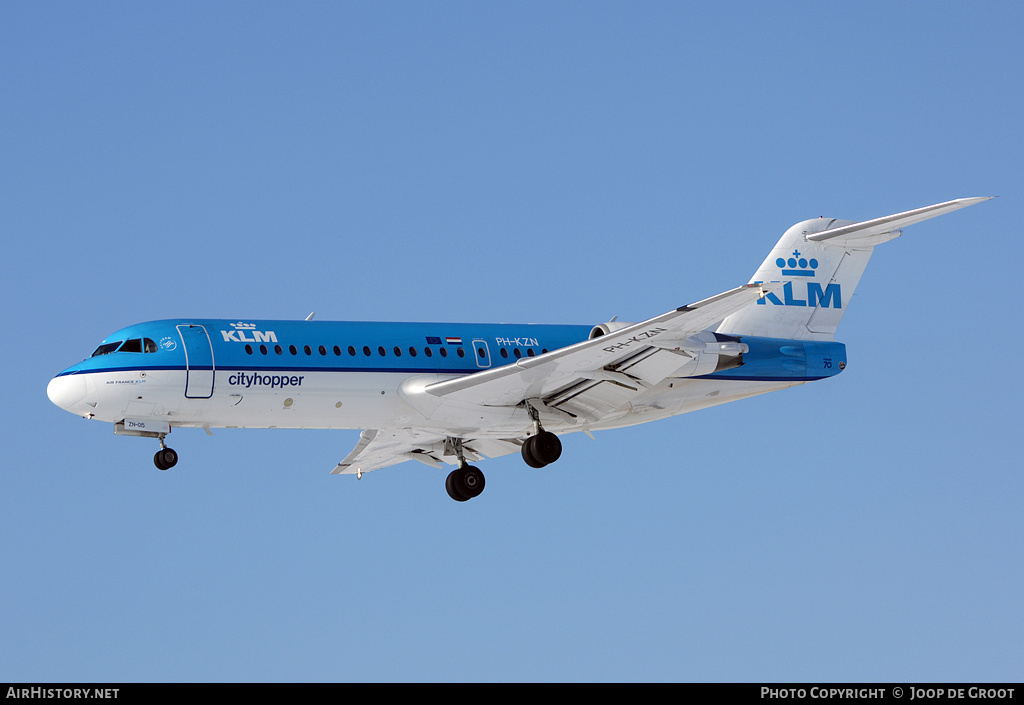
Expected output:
(606, 328)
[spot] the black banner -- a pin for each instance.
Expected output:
(763, 692)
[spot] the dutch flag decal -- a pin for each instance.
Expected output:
(451, 340)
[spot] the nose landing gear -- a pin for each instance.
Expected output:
(165, 458)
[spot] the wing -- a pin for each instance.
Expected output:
(587, 378)
(380, 448)
(596, 376)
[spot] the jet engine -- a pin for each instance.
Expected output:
(609, 327)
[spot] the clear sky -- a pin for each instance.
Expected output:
(546, 162)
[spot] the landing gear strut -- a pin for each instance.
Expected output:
(466, 481)
(165, 458)
(543, 447)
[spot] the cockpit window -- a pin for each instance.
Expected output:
(135, 345)
(107, 348)
(138, 345)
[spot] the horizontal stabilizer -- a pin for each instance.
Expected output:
(867, 232)
(820, 262)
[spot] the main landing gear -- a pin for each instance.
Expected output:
(542, 449)
(466, 481)
(165, 458)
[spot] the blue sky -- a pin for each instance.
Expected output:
(526, 162)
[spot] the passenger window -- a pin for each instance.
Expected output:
(351, 351)
(308, 350)
(292, 350)
(337, 351)
(529, 352)
(518, 353)
(398, 351)
(444, 352)
(380, 349)
(263, 349)
(278, 350)
(248, 349)
(428, 352)
(504, 352)
(412, 351)
(323, 350)
(366, 350)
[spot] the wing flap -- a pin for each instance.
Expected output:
(381, 448)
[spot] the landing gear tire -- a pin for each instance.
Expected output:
(165, 459)
(449, 485)
(464, 483)
(546, 447)
(542, 449)
(528, 455)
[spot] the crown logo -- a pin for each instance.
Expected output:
(243, 326)
(798, 266)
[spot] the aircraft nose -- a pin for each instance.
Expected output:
(66, 391)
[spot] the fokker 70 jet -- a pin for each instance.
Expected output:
(457, 393)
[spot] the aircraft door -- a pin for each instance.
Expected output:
(481, 353)
(199, 366)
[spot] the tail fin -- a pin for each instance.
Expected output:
(820, 262)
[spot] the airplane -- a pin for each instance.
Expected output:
(454, 393)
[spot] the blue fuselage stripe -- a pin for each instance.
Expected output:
(230, 346)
